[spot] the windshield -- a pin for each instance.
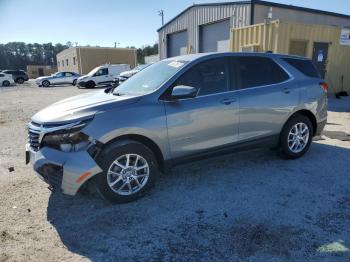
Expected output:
(93, 71)
(150, 79)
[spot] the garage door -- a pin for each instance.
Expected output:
(214, 37)
(177, 44)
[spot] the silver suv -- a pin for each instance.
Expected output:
(176, 110)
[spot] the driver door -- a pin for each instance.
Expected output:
(58, 79)
(209, 120)
(101, 76)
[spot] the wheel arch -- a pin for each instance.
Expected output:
(120, 140)
(309, 115)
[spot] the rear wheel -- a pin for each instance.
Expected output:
(296, 137)
(129, 170)
(74, 82)
(20, 80)
(45, 83)
(6, 83)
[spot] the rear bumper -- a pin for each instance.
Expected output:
(65, 172)
(320, 127)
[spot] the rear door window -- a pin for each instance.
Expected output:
(304, 66)
(258, 71)
(209, 77)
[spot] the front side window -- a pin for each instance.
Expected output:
(209, 77)
(258, 71)
(102, 72)
(60, 74)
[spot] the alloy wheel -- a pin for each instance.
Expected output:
(128, 174)
(298, 137)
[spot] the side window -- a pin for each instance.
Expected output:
(210, 77)
(304, 66)
(259, 71)
(68, 74)
(102, 72)
(1, 75)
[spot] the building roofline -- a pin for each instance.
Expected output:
(299, 8)
(94, 47)
(200, 5)
(259, 2)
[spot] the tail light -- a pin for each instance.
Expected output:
(324, 86)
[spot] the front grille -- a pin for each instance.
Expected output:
(34, 136)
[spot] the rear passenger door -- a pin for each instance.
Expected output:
(266, 96)
(208, 120)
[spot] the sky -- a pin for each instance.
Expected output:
(104, 22)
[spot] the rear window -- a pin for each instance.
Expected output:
(259, 71)
(304, 66)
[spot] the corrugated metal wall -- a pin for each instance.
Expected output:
(278, 35)
(239, 15)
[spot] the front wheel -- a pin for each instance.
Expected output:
(129, 170)
(45, 83)
(296, 137)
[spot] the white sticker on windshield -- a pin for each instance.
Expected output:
(176, 64)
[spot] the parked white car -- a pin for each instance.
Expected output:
(127, 74)
(102, 75)
(58, 78)
(6, 79)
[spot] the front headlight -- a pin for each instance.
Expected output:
(68, 139)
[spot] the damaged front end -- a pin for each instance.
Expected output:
(62, 154)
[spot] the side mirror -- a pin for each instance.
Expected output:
(180, 92)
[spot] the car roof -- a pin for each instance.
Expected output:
(192, 57)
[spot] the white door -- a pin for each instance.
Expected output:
(102, 76)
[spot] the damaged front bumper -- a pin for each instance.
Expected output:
(63, 171)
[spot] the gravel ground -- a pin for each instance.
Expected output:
(250, 206)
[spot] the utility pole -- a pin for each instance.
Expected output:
(161, 13)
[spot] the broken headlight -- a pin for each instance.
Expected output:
(68, 139)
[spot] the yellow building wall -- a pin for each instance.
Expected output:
(277, 36)
(83, 59)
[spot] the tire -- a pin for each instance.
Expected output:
(19, 80)
(74, 82)
(45, 83)
(6, 83)
(294, 142)
(90, 84)
(118, 152)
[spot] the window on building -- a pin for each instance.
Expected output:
(66, 62)
(298, 47)
(304, 66)
(62, 62)
(74, 60)
(210, 77)
(58, 63)
(258, 71)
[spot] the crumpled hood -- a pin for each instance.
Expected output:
(80, 107)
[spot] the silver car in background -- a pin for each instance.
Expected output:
(177, 110)
(59, 78)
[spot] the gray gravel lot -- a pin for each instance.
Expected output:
(250, 206)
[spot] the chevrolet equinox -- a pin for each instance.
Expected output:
(178, 109)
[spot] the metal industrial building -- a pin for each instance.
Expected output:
(83, 59)
(206, 27)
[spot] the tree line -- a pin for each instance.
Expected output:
(17, 55)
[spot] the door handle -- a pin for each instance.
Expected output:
(228, 101)
(286, 90)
